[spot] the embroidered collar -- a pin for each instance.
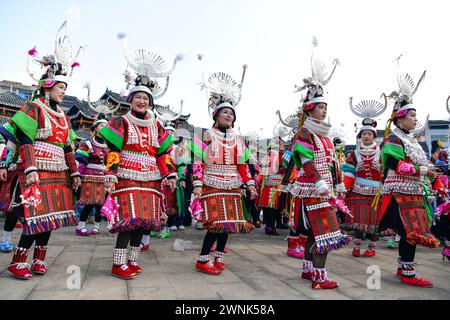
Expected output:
(367, 150)
(141, 122)
(319, 127)
(98, 144)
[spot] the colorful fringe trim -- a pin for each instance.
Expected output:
(231, 227)
(330, 243)
(428, 240)
(135, 223)
(372, 229)
(53, 222)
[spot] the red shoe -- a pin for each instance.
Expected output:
(20, 270)
(296, 253)
(207, 268)
(134, 267)
(145, 248)
(123, 272)
(327, 284)
(369, 253)
(39, 267)
(18, 267)
(416, 281)
(356, 252)
(307, 275)
(219, 264)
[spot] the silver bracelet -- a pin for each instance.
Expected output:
(27, 170)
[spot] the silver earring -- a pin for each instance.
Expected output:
(47, 98)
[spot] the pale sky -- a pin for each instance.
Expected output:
(272, 37)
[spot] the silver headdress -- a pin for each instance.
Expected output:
(368, 110)
(406, 90)
(148, 66)
(222, 90)
(56, 67)
(317, 81)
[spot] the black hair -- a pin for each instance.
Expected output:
(402, 104)
(217, 114)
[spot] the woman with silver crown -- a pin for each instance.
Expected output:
(137, 164)
(220, 160)
(91, 155)
(318, 179)
(47, 168)
(362, 177)
(405, 168)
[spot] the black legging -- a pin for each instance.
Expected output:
(133, 237)
(269, 216)
(84, 215)
(209, 240)
(10, 222)
(27, 241)
(251, 207)
(372, 236)
(391, 219)
(318, 260)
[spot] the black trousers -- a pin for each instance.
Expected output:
(269, 216)
(133, 237)
(84, 215)
(209, 240)
(10, 222)
(392, 220)
(41, 240)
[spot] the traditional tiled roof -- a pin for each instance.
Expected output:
(115, 96)
(83, 134)
(11, 99)
(3, 120)
(73, 107)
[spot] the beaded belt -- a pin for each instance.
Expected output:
(367, 182)
(222, 176)
(318, 206)
(49, 157)
(221, 170)
(141, 160)
(138, 167)
(273, 180)
(402, 184)
(307, 189)
(93, 178)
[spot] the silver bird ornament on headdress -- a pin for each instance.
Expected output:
(368, 108)
(148, 67)
(63, 59)
(406, 86)
(319, 75)
(222, 89)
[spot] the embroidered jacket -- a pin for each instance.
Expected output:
(46, 138)
(315, 157)
(92, 157)
(139, 149)
(220, 162)
(362, 171)
(405, 164)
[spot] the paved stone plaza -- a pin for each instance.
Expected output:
(257, 268)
